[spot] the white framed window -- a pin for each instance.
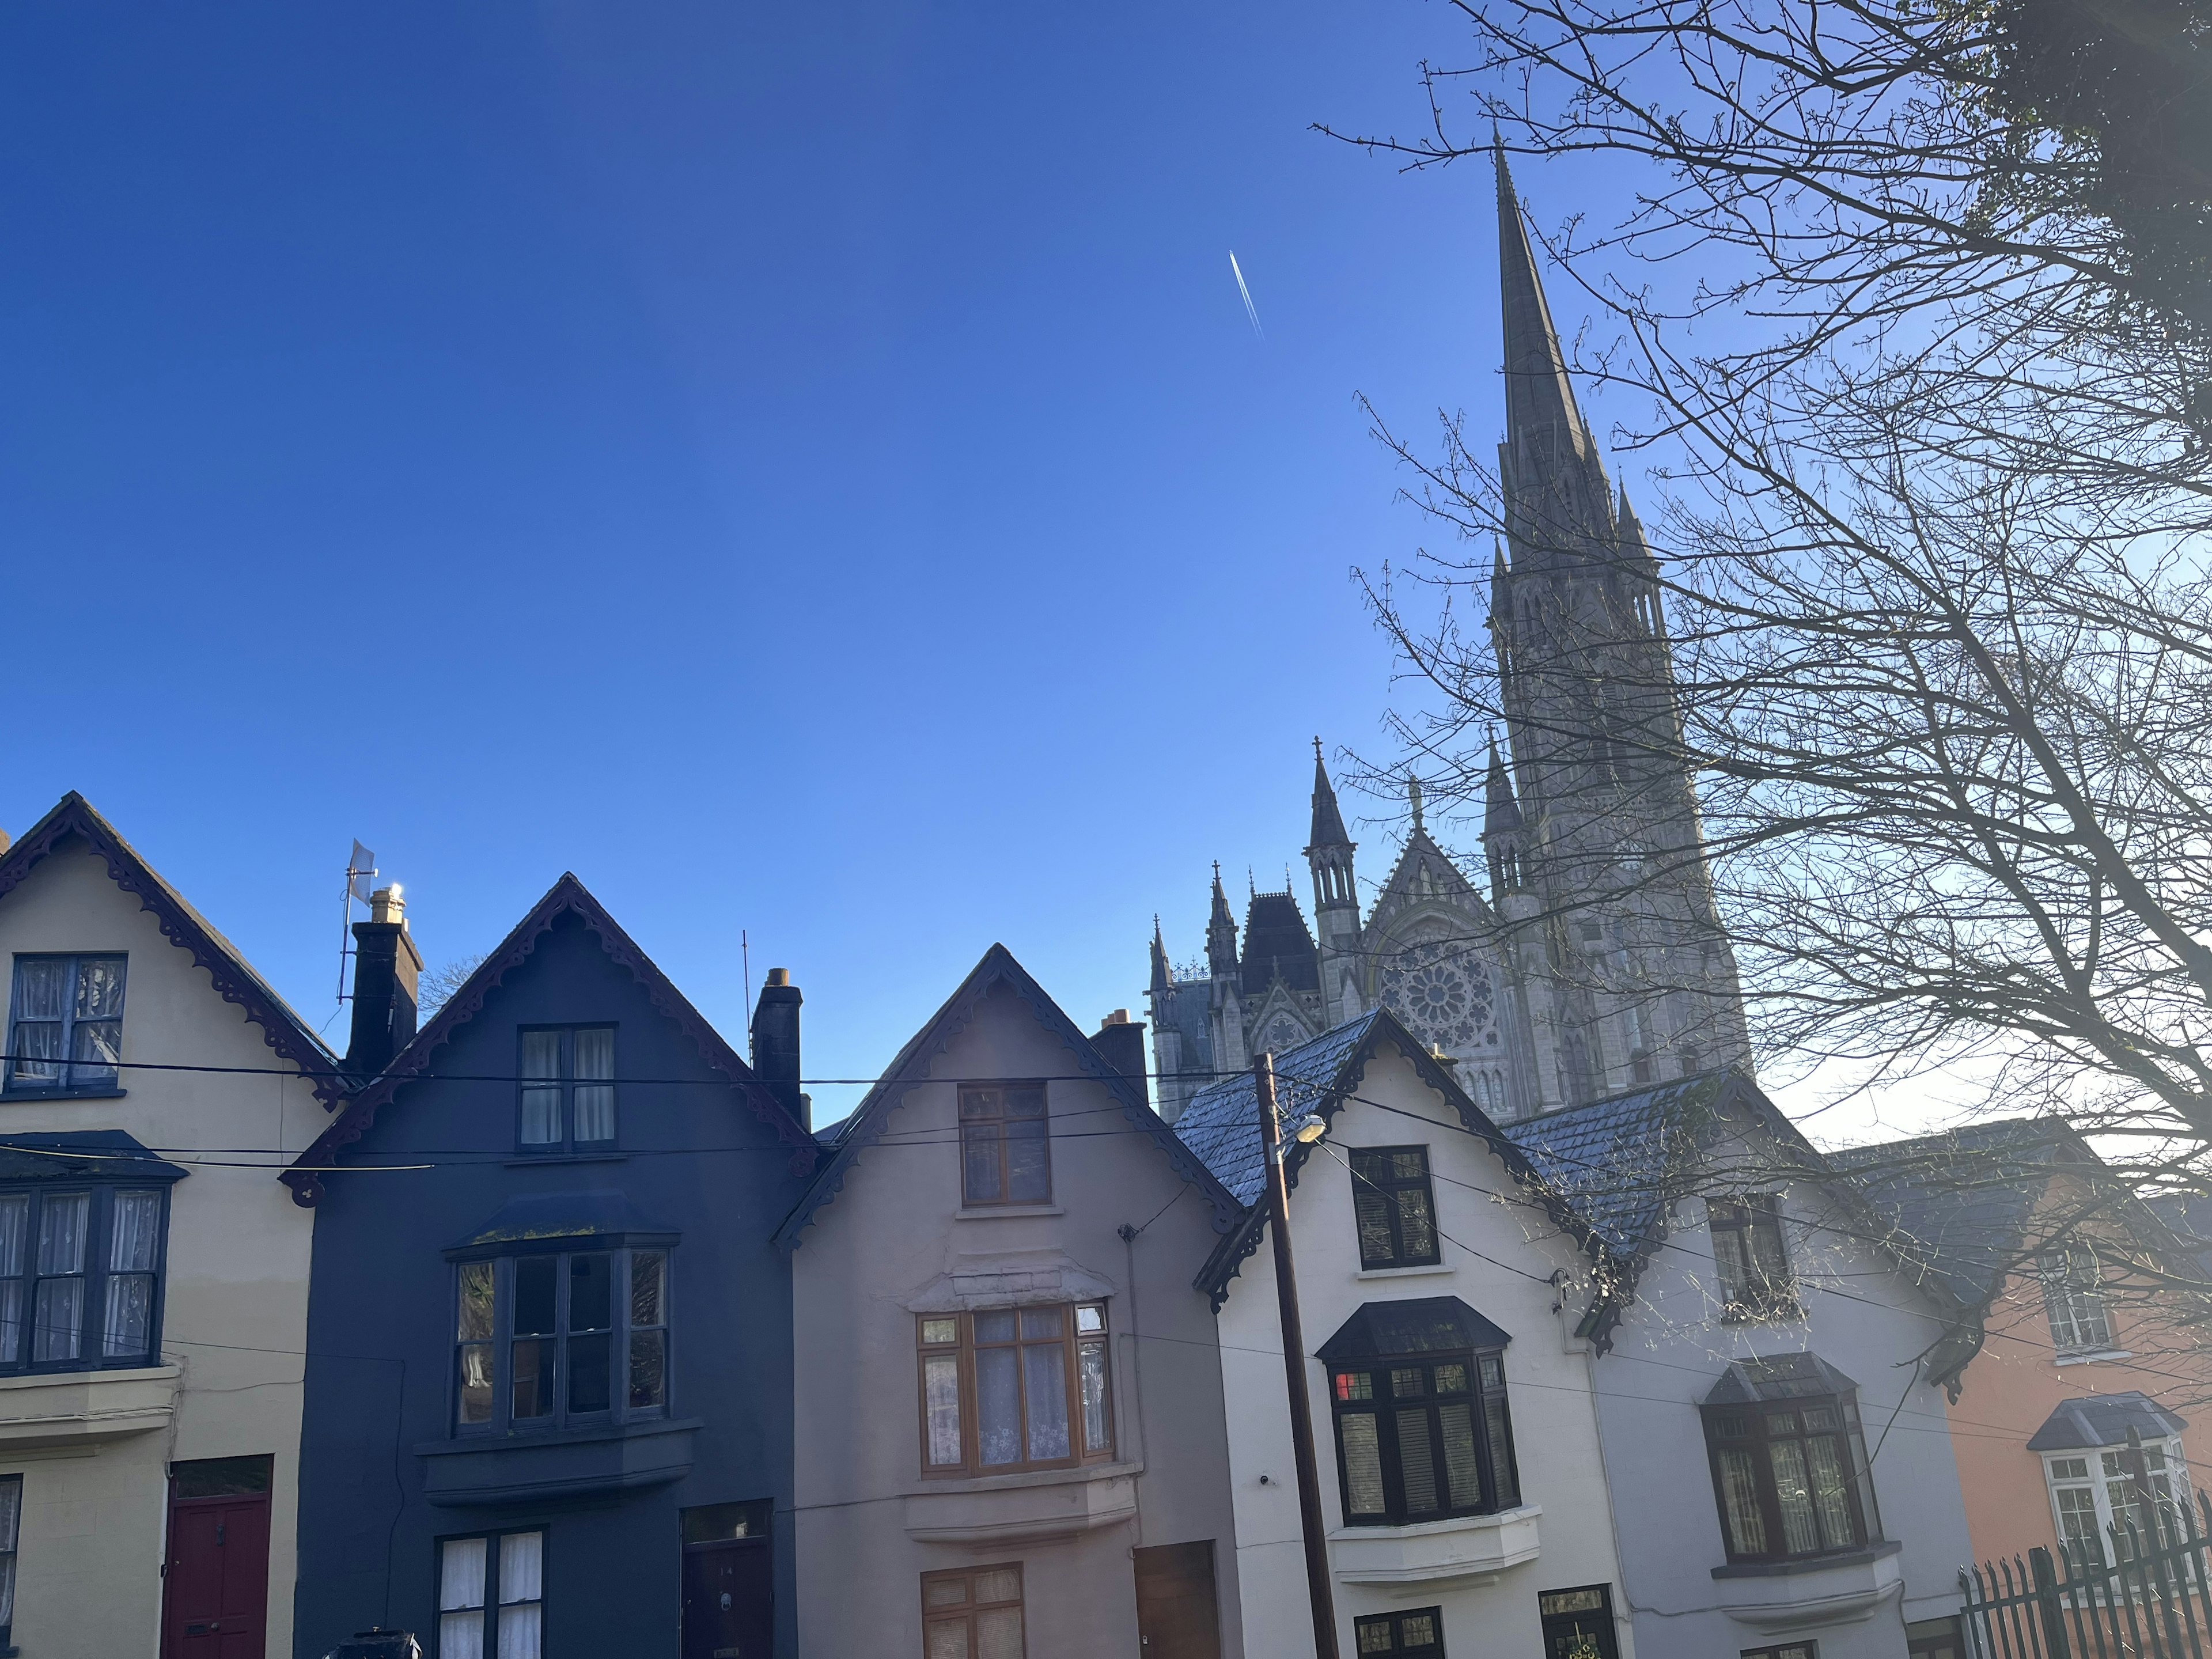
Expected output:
(2074, 1298)
(2092, 1492)
(491, 1596)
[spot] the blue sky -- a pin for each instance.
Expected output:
(806, 469)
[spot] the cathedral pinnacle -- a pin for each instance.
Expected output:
(1327, 821)
(1537, 395)
(1501, 812)
(1162, 977)
(1413, 796)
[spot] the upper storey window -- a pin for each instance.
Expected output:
(1789, 1460)
(1007, 1388)
(1006, 1146)
(552, 1341)
(1395, 1205)
(65, 1025)
(2074, 1299)
(1756, 1280)
(80, 1275)
(568, 1089)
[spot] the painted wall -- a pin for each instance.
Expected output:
(897, 1225)
(1669, 1353)
(235, 1312)
(1548, 1388)
(2019, 1379)
(691, 1155)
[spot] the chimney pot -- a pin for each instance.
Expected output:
(1119, 1016)
(386, 904)
(778, 976)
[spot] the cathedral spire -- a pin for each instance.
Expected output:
(1501, 812)
(1413, 800)
(1327, 821)
(1220, 931)
(1162, 977)
(1537, 394)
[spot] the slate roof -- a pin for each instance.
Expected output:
(599, 1214)
(235, 978)
(1618, 1162)
(2188, 1217)
(82, 1155)
(909, 1066)
(2104, 1419)
(1277, 941)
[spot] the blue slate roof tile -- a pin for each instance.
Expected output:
(1616, 1162)
(1221, 1122)
(2104, 1419)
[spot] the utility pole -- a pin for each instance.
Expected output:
(1294, 1365)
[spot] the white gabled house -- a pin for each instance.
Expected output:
(1455, 1422)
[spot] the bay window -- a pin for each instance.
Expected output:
(80, 1274)
(1010, 1389)
(2095, 1498)
(560, 1338)
(1789, 1460)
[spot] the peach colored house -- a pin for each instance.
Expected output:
(2087, 1332)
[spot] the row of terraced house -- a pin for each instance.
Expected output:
(558, 1329)
(551, 1326)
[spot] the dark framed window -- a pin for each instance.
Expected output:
(491, 1595)
(1756, 1282)
(567, 1102)
(2074, 1299)
(545, 1340)
(1934, 1638)
(1396, 1207)
(1005, 1143)
(11, 1521)
(1578, 1623)
(65, 1025)
(1417, 1634)
(973, 1612)
(1008, 1388)
(1787, 1650)
(1424, 1438)
(1790, 1477)
(80, 1271)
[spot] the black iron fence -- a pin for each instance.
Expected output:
(2147, 1596)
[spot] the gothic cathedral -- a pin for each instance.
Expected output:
(1594, 964)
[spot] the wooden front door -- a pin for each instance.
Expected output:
(1177, 1616)
(729, 1599)
(214, 1592)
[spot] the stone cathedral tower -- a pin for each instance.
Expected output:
(1595, 963)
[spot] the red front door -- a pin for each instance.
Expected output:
(217, 1596)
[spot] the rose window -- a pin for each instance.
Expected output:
(1441, 990)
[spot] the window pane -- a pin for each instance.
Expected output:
(591, 1293)
(1089, 1318)
(647, 1288)
(541, 1054)
(476, 1382)
(1420, 1629)
(95, 1047)
(460, 1636)
(940, 1401)
(590, 1387)
(1451, 1379)
(541, 1117)
(476, 1295)
(1045, 1370)
(1830, 1495)
(980, 1102)
(1739, 1488)
(1376, 1249)
(998, 1405)
(519, 1632)
(978, 1167)
(1734, 1270)
(1800, 1535)
(1463, 1469)
(1769, 1262)
(1097, 1432)
(1416, 1227)
(100, 988)
(996, 1324)
(595, 1054)
(461, 1574)
(14, 1220)
(948, 1639)
(40, 985)
(135, 1226)
(595, 1124)
(1499, 1426)
(11, 1321)
(533, 1378)
(1355, 1385)
(533, 1296)
(1417, 1462)
(59, 1320)
(944, 1593)
(1026, 1103)
(998, 1633)
(7, 1589)
(939, 1332)
(61, 1232)
(1375, 1636)
(11, 1513)
(999, 1584)
(1363, 1463)
(648, 1370)
(37, 1049)
(1029, 1165)
(521, 1556)
(1409, 1384)
(128, 1328)
(1040, 1322)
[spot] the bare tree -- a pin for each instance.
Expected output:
(438, 986)
(1932, 547)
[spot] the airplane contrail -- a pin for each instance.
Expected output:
(1248, 310)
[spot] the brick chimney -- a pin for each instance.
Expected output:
(386, 969)
(775, 1043)
(1121, 1041)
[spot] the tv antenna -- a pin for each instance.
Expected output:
(360, 883)
(745, 951)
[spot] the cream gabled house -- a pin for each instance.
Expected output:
(153, 1275)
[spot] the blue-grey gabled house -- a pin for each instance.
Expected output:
(549, 1351)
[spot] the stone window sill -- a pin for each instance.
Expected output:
(2090, 1356)
(1005, 1211)
(1034, 1507)
(1858, 1558)
(532, 1160)
(1422, 1272)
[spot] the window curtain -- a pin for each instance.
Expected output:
(461, 1598)
(595, 1092)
